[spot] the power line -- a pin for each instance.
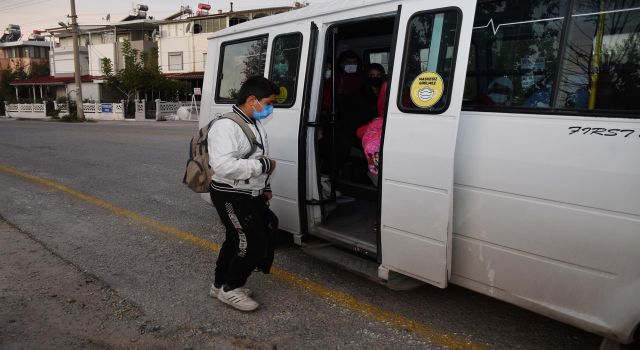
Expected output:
(26, 3)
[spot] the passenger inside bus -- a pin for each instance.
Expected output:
(501, 91)
(351, 105)
(371, 135)
(375, 78)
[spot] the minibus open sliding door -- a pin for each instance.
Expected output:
(289, 57)
(420, 137)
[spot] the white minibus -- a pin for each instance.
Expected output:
(509, 144)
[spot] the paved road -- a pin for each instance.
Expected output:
(107, 198)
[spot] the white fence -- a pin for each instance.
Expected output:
(169, 110)
(108, 111)
(26, 110)
(97, 111)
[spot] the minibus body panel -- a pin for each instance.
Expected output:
(418, 157)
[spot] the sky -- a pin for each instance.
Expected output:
(42, 14)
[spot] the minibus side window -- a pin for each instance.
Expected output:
(515, 46)
(379, 56)
(428, 62)
(239, 60)
(285, 62)
(601, 69)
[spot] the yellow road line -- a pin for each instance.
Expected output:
(334, 296)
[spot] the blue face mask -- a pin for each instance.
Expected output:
(266, 111)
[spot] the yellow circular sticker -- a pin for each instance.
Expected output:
(282, 96)
(427, 89)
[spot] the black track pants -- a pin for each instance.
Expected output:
(246, 238)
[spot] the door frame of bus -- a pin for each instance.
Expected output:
(305, 124)
(302, 133)
(392, 56)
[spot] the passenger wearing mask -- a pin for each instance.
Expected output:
(351, 105)
(375, 78)
(240, 189)
(349, 78)
(500, 91)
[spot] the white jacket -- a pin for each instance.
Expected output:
(228, 148)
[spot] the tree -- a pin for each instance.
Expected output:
(19, 72)
(7, 92)
(39, 69)
(7, 76)
(129, 79)
(141, 73)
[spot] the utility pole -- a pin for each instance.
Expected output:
(76, 60)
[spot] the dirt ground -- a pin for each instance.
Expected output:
(47, 303)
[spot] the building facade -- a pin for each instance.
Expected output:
(182, 39)
(14, 54)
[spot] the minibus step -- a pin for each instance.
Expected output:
(357, 264)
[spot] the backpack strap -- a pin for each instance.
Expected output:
(204, 131)
(245, 128)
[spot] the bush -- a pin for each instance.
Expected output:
(72, 117)
(55, 113)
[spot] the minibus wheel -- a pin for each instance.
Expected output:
(608, 344)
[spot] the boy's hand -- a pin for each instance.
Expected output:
(268, 165)
(269, 195)
(273, 166)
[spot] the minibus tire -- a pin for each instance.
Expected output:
(609, 344)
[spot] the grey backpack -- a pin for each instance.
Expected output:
(197, 175)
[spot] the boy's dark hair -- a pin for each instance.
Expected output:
(345, 55)
(258, 86)
(378, 67)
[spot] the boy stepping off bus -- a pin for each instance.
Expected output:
(240, 191)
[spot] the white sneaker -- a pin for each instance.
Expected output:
(237, 299)
(213, 291)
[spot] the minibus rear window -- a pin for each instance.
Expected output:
(601, 70)
(579, 57)
(283, 71)
(514, 53)
(239, 60)
(428, 62)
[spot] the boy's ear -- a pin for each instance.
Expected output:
(250, 99)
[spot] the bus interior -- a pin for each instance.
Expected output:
(349, 196)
